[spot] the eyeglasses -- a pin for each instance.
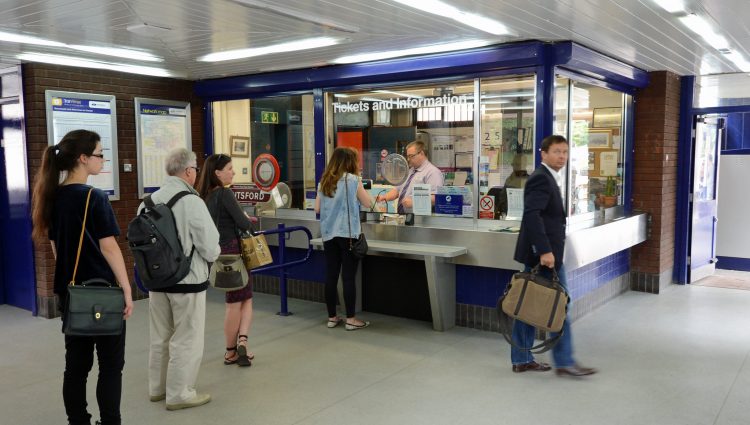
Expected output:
(98, 155)
(413, 155)
(197, 169)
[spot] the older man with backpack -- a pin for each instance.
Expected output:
(174, 228)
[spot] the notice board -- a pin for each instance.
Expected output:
(161, 125)
(68, 111)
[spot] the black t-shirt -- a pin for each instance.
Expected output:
(65, 232)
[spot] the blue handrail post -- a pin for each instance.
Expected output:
(282, 279)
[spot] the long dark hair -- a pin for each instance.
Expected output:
(343, 160)
(208, 179)
(56, 159)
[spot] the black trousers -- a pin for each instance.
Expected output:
(79, 358)
(340, 259)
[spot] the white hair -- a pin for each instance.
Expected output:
(178, 160)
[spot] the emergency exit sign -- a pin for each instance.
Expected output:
(269, 117)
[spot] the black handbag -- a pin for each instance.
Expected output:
(94, 307)
(357, 246)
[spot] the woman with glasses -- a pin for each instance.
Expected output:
(339, 196)
(58, 214)
(229, 218)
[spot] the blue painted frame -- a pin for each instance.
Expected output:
(684, 161)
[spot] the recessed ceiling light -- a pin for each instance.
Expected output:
(704, 29)
(148, 30)
(27, 39)
(434, 48)
(118, 52)
(310, 43)
(671, 6)
(437, 7)
(88, 63)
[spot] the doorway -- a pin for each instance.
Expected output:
(708, 137)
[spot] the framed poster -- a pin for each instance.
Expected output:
(600, 138)
(160, 126)
(67, 111)
(240, 146)
(607, 117)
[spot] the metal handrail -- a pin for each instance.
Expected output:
(282, 265)
(283, 229)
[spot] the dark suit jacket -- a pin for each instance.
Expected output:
(543, 223)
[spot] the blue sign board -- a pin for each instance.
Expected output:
(449, 204)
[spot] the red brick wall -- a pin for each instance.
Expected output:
(657, 115)
(40, 77)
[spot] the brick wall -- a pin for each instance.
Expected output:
(657, 116)
(40, 77)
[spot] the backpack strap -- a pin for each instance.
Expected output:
(148, 201)
(177, 197)
(171, 203)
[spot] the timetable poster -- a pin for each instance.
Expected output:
(162, 126)
(81, 111)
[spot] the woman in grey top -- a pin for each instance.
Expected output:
(229, 218)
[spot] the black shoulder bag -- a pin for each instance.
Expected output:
(95, 307)
(358, 246)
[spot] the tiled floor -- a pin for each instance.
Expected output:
(680, 357)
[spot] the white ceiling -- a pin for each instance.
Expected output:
(635, 31)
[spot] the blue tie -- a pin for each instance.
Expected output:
(404, 191)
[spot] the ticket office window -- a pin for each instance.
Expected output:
(591, 118)
(383, 121)
(498, 139)
(279, 126)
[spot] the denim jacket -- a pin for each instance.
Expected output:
(333, 210)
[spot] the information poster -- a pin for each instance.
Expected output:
(67, 111)
(421, 199)
(161, 125)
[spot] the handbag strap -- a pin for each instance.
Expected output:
(80, 240)
(348, 213)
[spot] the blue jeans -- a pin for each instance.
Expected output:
(523, 334)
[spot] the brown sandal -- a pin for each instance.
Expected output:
(243, 360)
(229, 360)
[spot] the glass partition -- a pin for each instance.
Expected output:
(477, 154)
(591, 117)
(278, 126)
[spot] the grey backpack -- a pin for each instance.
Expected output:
(156, 247)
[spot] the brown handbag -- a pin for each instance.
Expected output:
(255, 252)
(536, 301)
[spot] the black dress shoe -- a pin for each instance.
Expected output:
(532, 366)
(575, 371)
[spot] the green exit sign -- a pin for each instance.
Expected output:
(269, 117)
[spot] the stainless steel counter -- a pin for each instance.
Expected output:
(589, 238)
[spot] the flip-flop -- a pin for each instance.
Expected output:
(351, 327)
(333, 323)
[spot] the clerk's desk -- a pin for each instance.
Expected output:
(441, 275)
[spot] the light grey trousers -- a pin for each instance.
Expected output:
(177, 324)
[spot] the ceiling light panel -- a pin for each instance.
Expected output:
(434, 48)
(437, 7)
(310, 43)
(671, 6)
(88, 63)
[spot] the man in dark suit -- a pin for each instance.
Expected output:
(542, 241)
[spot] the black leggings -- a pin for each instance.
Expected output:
(79, 357)
(340, 259)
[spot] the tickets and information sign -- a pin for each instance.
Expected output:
(161, 125)
(67, 111)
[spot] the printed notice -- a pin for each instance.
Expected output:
(515, 204)
(422, 199)
(161, 128)
(70, 112)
